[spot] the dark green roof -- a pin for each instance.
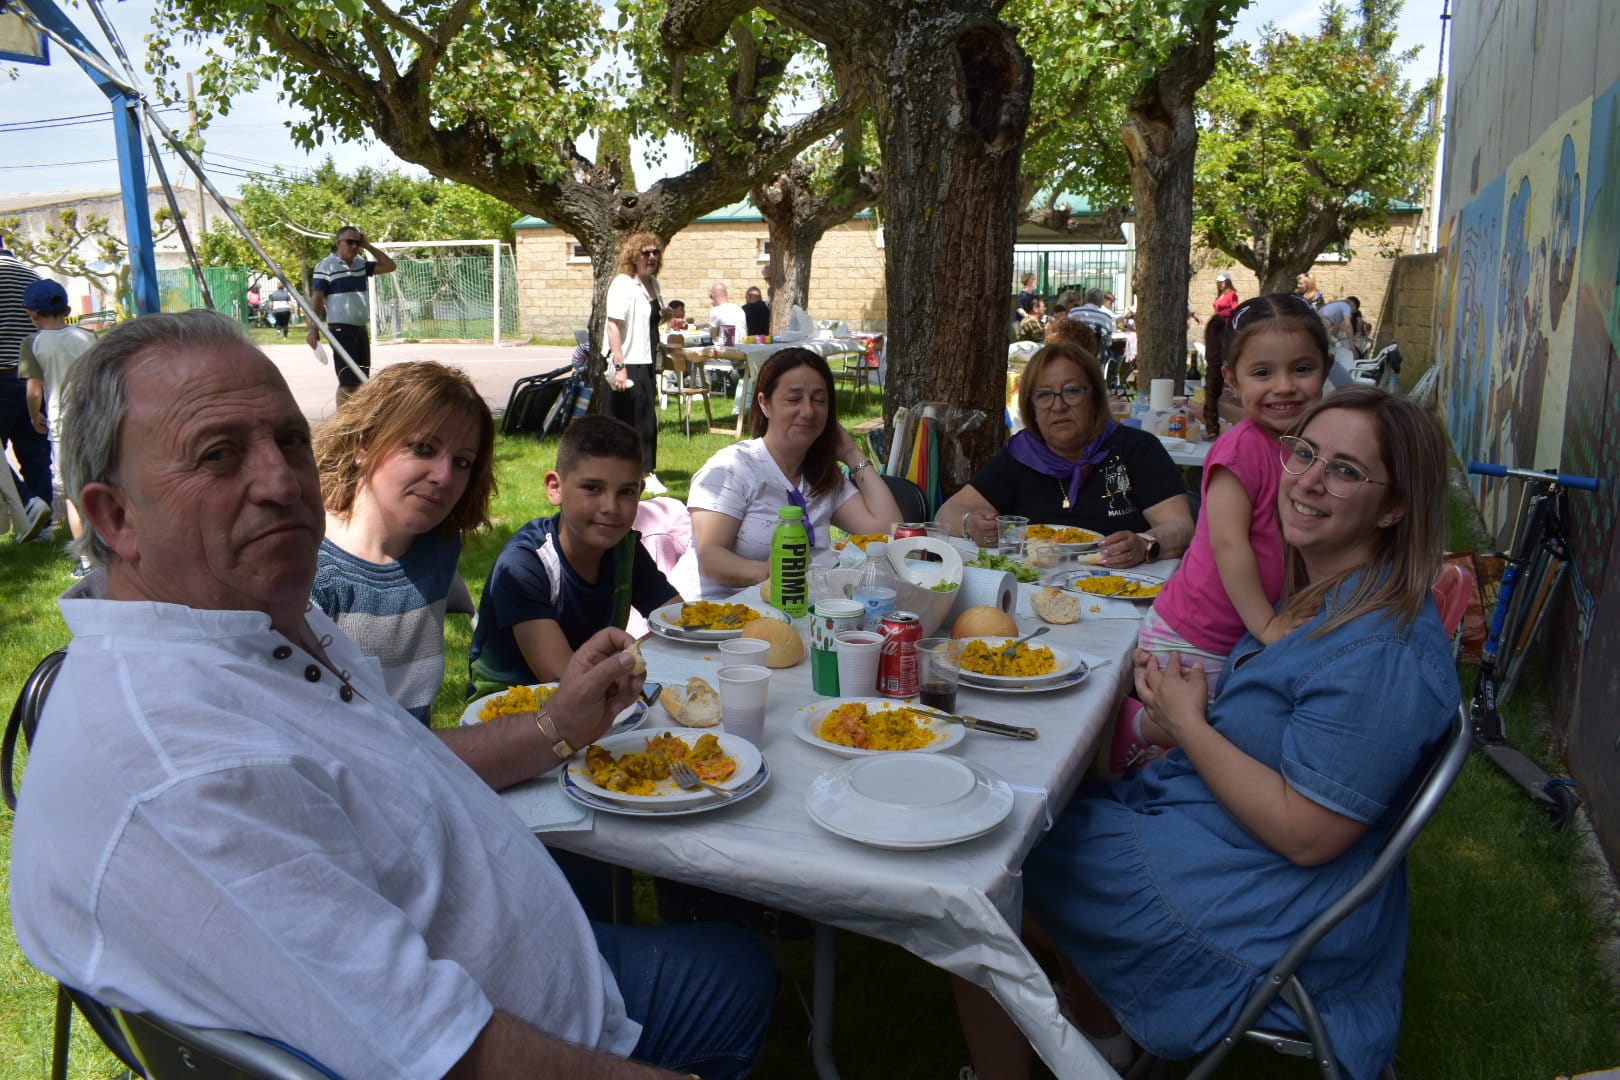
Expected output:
(743, 210)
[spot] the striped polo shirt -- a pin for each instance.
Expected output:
(345, 287)
(15, 325)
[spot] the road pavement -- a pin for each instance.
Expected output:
(493, 368)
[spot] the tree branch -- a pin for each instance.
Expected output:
(400, 25)
(316, 59)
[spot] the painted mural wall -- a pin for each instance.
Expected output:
(1527, 319)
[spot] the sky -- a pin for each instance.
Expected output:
(54, 135)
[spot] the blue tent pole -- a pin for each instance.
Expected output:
(127, 133)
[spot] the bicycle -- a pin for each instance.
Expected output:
(1535, 567)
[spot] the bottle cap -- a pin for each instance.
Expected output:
(790, 513)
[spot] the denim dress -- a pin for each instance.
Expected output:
(1174, 913)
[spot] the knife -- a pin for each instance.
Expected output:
(991, 727)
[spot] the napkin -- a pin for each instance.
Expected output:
(541, 805)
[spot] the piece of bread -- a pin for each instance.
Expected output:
(638, 664)
(787, 647)
(700, 707)
(1056, 606)
(984, 621)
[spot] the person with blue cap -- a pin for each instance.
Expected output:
(45, 360)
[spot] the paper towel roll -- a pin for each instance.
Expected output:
(981, 586)
(1162, 395)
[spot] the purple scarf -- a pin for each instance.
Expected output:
(1029, 451)
(796, 499)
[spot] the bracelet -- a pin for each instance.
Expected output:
(548, 731)
(965, 533)
(857, 469)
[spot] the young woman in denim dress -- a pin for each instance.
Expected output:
(1169, 895)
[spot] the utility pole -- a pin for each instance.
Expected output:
(191, 104)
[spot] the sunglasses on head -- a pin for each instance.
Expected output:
(1270, 306)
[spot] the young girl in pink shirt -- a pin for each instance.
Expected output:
(1232, 576)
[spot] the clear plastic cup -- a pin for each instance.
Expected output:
(939, 671)
(1011, 528)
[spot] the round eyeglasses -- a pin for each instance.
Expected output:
(1072, 396)
(1340, 477)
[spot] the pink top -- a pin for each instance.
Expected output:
(1194, 600)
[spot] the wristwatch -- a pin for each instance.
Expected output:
(1153, 548)
(548, 730)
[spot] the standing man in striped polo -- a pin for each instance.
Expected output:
(339, 298)
(29, 504)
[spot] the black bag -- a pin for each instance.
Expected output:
(533, 400)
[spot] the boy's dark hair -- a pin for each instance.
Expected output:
(597, 437)
(678, 303)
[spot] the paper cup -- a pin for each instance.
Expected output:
(858, 652)
(743, 651)
(743, 690)
(831, 617)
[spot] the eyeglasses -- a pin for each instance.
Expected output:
(1072, 396)
(1271, 306)
(1340, 477)
(652, 253)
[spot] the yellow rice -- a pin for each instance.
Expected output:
(986, 658)
(519, 699)
(850, 724)
(1114, 585)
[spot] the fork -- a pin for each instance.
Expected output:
(682, 774)
(1010, 650)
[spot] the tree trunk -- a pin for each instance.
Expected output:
(1161, 141)
(796, 218)
(951, 140)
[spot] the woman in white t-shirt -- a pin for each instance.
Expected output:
(634, 310)
(793, 457)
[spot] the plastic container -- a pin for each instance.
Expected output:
(790, 563)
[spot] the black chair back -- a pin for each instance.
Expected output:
(913, 503)
(170, 1050)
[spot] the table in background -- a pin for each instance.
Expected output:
(958, 907)
(751, 357)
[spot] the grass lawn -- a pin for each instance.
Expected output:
(1502, 976)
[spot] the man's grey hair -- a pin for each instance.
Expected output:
(95, 401)
(1094, 297)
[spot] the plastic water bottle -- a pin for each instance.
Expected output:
(790, 563)
(879, 587)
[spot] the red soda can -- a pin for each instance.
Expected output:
(897, 660)
(910, 528)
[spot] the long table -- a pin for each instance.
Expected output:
(957, 907)
(750, 358)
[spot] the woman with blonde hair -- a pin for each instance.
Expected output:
(1073, 464)
(407, 466)
(634, 310)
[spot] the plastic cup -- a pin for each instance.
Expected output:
(743, 690)
(742, 651)
(1011, 527)
(831, 617)
(858, 652)
(936, 531)
(939, 671)
(728, 334)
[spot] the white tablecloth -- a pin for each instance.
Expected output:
(957, 907)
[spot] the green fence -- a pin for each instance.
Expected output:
(1057, 271)
(178, 290)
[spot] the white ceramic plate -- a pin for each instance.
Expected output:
(1067, 664)
(1064, 683)
(665, 622)
(907, 802)
(668, 794)
(1069, 547)
(631, 718)
(1145, 579)
(807, 722)
(585, 798)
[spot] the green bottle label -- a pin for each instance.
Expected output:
(790, 563)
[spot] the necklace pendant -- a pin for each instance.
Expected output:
(1065, 502)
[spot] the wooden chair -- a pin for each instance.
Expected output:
(860, 371)
(686, 379)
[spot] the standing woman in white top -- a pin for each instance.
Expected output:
(634, 310)
(793, 458)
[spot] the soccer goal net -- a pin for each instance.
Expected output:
(446, 290)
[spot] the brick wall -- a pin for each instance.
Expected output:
(846, 280)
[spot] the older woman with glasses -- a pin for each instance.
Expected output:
(1074, 465)
(634, 310)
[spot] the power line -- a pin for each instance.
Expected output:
(58, 164)
(55, 122)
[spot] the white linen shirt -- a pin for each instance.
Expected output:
(728, 314)
(743, 481)
(210, 832)
(629, 302)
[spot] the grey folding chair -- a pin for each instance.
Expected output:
(147, 1046)
(1282, 979)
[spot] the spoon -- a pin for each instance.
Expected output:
(1010, 650)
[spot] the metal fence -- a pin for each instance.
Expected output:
(178, 290)
(1057, 271)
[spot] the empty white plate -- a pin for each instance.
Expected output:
(908, 803)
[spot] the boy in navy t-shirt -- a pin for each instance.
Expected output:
(560, 579)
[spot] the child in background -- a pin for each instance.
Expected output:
(407, 465)
(1232, 576)
(560, 579)
(45, 360)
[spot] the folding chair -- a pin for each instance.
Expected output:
(685, 379)
(860, 370)
(1282, 980)
(210, 1055)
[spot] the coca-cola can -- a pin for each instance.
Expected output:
(910, 528)
(897, 659)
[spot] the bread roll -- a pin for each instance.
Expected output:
(787, 647)
(984, 621)
(638, 664)
(700, 706)
(1056, 606)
